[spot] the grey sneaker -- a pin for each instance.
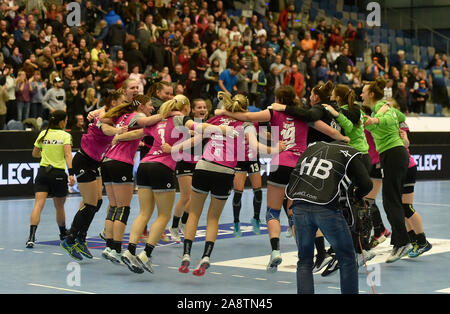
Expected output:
(145, 262)
(114, 257)
(368, 255)
(131, 261)
(398, 252)
(275, 260)
(174, 234)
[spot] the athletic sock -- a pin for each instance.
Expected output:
(208, 249)
(33, 229)
(109, 243)
(320, 245)
(132, 248)
(187, 246)
(185, 217)
(421, 239)
(175, 222)
(275, 244)
(117, 245)
(257, 201)
(237, 204)
(412, 236)
(148, 249)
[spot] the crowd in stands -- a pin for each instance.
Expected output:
(196, 46)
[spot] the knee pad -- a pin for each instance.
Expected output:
(111, 213)
(272, 214)
(122, 214)
(99, 204)
(257, 195)
(237, 198)
(409, 210)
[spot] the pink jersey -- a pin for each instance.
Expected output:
(294, 132)
(372, 149)
(163, 132)
(224, 150)
(95, 143)
(251, 154)
(412, 162)
(126, 150)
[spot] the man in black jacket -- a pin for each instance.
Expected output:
(116, 39)
(322, 177)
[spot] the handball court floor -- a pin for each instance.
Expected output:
(238, 264)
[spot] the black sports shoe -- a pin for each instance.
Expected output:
(322, 260)
(331, 267)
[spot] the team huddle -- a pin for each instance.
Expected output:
(332, 156)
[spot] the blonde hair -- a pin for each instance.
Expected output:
(175, 104)
(239, 103)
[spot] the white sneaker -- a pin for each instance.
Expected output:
(105, 253)
(185, 262)
(202, 267)
(398, 252)
(275, 260)
(114, 257)
(145, 261)
(182, 227)
(174, 234)
(131, 261)
(288, 232)
(368, 255)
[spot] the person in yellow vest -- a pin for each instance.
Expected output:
(54, 147)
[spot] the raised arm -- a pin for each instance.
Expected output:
(260, 116)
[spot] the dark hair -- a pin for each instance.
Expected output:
(346, 94)
(127, 107)
(287, 96)
(323, 91)
(107, 99)
(53, 123)
(377, 88)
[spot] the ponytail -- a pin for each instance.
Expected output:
(377, 88)
(323, 91)
(346, 94)
(175, 104)
(53, 123)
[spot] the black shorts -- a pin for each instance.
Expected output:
(376, 172)
(155, 176)
(117, 172)
(410, 180)
(86, 169)
(184, 168)
(280, 177)
(251, 166)
(219, 184)
(53, 181)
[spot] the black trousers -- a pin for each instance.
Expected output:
(394, 164)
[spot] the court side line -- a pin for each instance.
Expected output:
(63, 289)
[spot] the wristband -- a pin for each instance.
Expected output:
(71, 172)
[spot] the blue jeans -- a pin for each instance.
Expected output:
(23, 110)
(307, 219)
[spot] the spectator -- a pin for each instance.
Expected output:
(23, 96)
(242, 81)
(3, 100)
(221, 55)
(227, 82)
(308, 43)
(257, 85)
(38, 90)
(212, 78)
(420, 97)
(287, 17)
(138, 77)
(55, 97)
(134, 57)
(439, 94)
(115, 38)
(74, 102)
(120, 74)
(296, 80)
(10, 83)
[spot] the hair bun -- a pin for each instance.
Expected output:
(381, 83)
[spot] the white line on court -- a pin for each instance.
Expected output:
(62, 289)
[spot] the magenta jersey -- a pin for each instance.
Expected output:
(294, 132)
(373, 153)
(224, 150)
(412, 162)
(164, 132)
(95, 143)
(126, 150)
(251, 154)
